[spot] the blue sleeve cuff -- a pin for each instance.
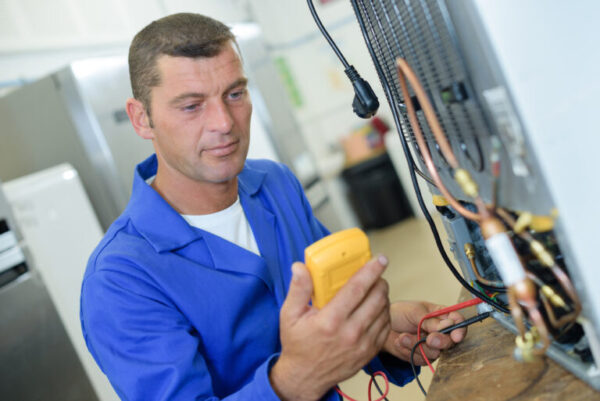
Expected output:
(263, 388)
(398, 372)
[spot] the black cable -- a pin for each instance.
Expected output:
(412, 365)
(447, 330)
(337, 51)
(424, 176)
(378, 388)
(365, 103)
(412, 167)
(501, 290)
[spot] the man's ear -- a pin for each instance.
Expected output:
(139, 118)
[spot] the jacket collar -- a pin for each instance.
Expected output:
(160, 224)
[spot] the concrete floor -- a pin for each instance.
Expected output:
(416, 272)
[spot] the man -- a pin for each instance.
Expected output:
(190, 294)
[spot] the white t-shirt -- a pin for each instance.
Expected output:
(230, 223)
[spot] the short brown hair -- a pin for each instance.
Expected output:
(178, 35)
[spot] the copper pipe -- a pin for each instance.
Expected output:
(495, 184)
(538, 321)
(432, 120)
(516, 312)
(567, 285)
(558, 273)
(523, 292)
(482, 209)
(412, 117)
(557, 323)
(470, 252)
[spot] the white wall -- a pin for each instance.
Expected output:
(40, 36)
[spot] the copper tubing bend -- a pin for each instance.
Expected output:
(470, 252)
(404, 72)
(516, 312)
(523, 293)
(538, 321)
(432, 120)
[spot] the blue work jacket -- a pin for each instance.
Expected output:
(172, 312)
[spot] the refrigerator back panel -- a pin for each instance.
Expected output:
(503, 70)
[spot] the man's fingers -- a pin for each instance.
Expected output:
(438, 323)
(439, 341)
(380, 326)
(456, 317)
(432, 354)
(298, 296)
(435, 325)
(459, 334)
(375, 303)
(404, 343)
(356, 289)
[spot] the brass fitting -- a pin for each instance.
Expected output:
(542, 224)
(469, 250)
(541, 253)
(466, 183)
(522, 222)
(525, 346)
(439, 200)
(553, 297)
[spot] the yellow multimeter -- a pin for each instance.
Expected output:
(332, 260)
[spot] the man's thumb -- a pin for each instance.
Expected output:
(300, 291)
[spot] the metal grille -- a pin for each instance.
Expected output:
(421, 32)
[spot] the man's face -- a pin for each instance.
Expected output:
(201, 116)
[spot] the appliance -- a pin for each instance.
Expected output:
(77, 115)
(513, 85)
(60, 229)
(38, 360)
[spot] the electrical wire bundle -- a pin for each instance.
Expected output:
(419, 344)
(465, 323)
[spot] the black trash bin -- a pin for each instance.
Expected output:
(375, 192)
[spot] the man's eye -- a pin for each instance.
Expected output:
(236, 95)
(190, 107)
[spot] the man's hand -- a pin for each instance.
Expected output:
(322, 347)
(405, 317)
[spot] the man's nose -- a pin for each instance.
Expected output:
(219, 117)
